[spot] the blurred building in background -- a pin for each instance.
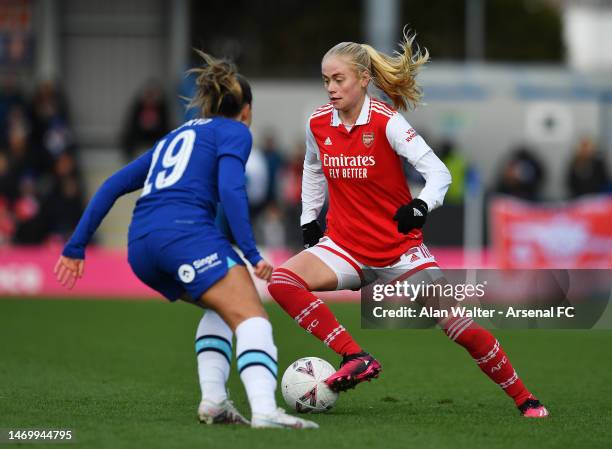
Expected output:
(511, 82)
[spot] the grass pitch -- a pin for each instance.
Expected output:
(122, 374)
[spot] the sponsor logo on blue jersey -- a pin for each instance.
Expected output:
(208, 260)
(206, 263)
(186, 273)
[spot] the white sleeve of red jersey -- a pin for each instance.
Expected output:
(437, 179)
(313, 181)
(407, 143)
(404, 139)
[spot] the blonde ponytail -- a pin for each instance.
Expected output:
(394, 75)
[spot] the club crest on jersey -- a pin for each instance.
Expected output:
(368, 139)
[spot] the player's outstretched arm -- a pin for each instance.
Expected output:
(70, 265)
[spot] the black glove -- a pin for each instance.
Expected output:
(411, 216)
(311, 232)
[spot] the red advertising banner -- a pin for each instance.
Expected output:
(575, 234)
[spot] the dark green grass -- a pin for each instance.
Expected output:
(123, 374)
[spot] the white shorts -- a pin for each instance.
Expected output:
(353, 275)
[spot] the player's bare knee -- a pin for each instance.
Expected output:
(235, 317)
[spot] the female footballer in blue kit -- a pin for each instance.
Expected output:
(175, 248)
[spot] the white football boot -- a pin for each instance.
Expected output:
(222, 413)
(281, 420)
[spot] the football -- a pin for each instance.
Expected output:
(304, 389)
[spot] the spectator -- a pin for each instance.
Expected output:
(5, 180)
(257, 182)
(7, 224)
(37, 162)
(31, 227)
(271, 228)
(63, 207)
(292, 195)
(10, 96)
(147, 121)
(274, 163)
(64, 166)
(19, 152)
(587, 172)
(522, 175)
(51, 133)
(8, 180)
(457, 166)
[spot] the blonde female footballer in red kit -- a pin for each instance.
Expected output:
(354, 145)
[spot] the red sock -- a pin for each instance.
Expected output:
(488, 353)
(294, 296)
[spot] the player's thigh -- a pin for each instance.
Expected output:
(144, 265)
(234, 297)
(316, 274)
(417, 267)
(326, 266)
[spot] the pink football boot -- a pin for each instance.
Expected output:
(354, 369)
(532, 408)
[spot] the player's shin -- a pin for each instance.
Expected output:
(257, 363)
(293, 295)
(214, 354)
(489, 355)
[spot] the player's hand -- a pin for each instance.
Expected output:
(68, 270)
(411, 216)
(312, 233)
(263, 270)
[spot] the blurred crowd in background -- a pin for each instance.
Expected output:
(42, 195)
(104, 50)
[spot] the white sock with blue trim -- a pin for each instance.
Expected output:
(257, 363)
(213, 348)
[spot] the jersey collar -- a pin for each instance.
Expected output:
(364, 115)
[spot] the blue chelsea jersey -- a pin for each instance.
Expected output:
(182, 178)
(181, 187)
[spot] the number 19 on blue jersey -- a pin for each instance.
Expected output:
(174, 158)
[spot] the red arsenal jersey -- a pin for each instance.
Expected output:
(366, 179)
